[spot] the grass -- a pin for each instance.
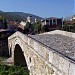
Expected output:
(13, 70)
(2, 59)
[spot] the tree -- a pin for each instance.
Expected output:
(45, 28)
(28, 28)
(65, 27)
(37, 27)
(5, 24)
(74, 26)
(1, 18)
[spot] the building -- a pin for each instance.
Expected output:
(22, 25)
(52, 22)
(32, 19)
(12, 25)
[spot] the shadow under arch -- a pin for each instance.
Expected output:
(19, 58)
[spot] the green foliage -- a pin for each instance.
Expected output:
(13, 70)
(37, 27)
(27, 25)
(26, 28)
(45, 28)
(73, 28)
(65, 27)
(70, 28)
(1, 18)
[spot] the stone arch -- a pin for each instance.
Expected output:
(19, 58)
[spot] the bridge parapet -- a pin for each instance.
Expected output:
(65, 33)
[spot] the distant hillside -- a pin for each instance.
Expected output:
(17, 16)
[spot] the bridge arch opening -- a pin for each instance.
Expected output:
(19, 58)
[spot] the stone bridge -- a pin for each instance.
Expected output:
(45, 54)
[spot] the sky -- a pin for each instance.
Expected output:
(42, 8)
(74, 6)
